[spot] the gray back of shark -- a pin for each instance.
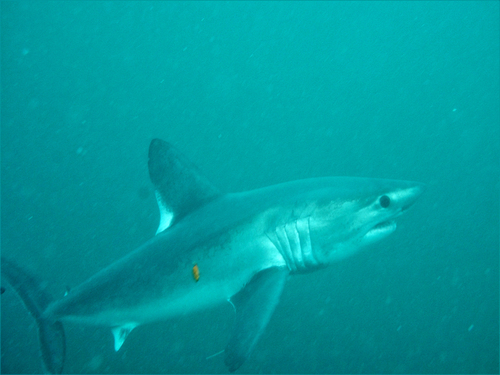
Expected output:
(212, 247)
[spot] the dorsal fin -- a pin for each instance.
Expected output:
(180, 187)
(121, 333)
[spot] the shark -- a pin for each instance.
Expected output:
(212, 247)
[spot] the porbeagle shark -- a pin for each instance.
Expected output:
(213, 247)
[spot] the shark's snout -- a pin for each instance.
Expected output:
(392, 206)
(410, 195)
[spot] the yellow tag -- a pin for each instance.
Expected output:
(196, 273)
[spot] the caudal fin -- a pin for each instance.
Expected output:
(36, 300)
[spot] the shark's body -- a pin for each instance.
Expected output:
(213, 247)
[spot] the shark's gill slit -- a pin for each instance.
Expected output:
(292, 236)
(286, 252)
(306, 244)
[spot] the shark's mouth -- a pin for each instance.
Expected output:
(381, 229)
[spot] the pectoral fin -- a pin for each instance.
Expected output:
(254, 305)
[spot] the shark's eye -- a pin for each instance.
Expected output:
(385, 201)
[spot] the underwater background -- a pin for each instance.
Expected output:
(258, 93)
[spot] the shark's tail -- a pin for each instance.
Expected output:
(36, 300)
